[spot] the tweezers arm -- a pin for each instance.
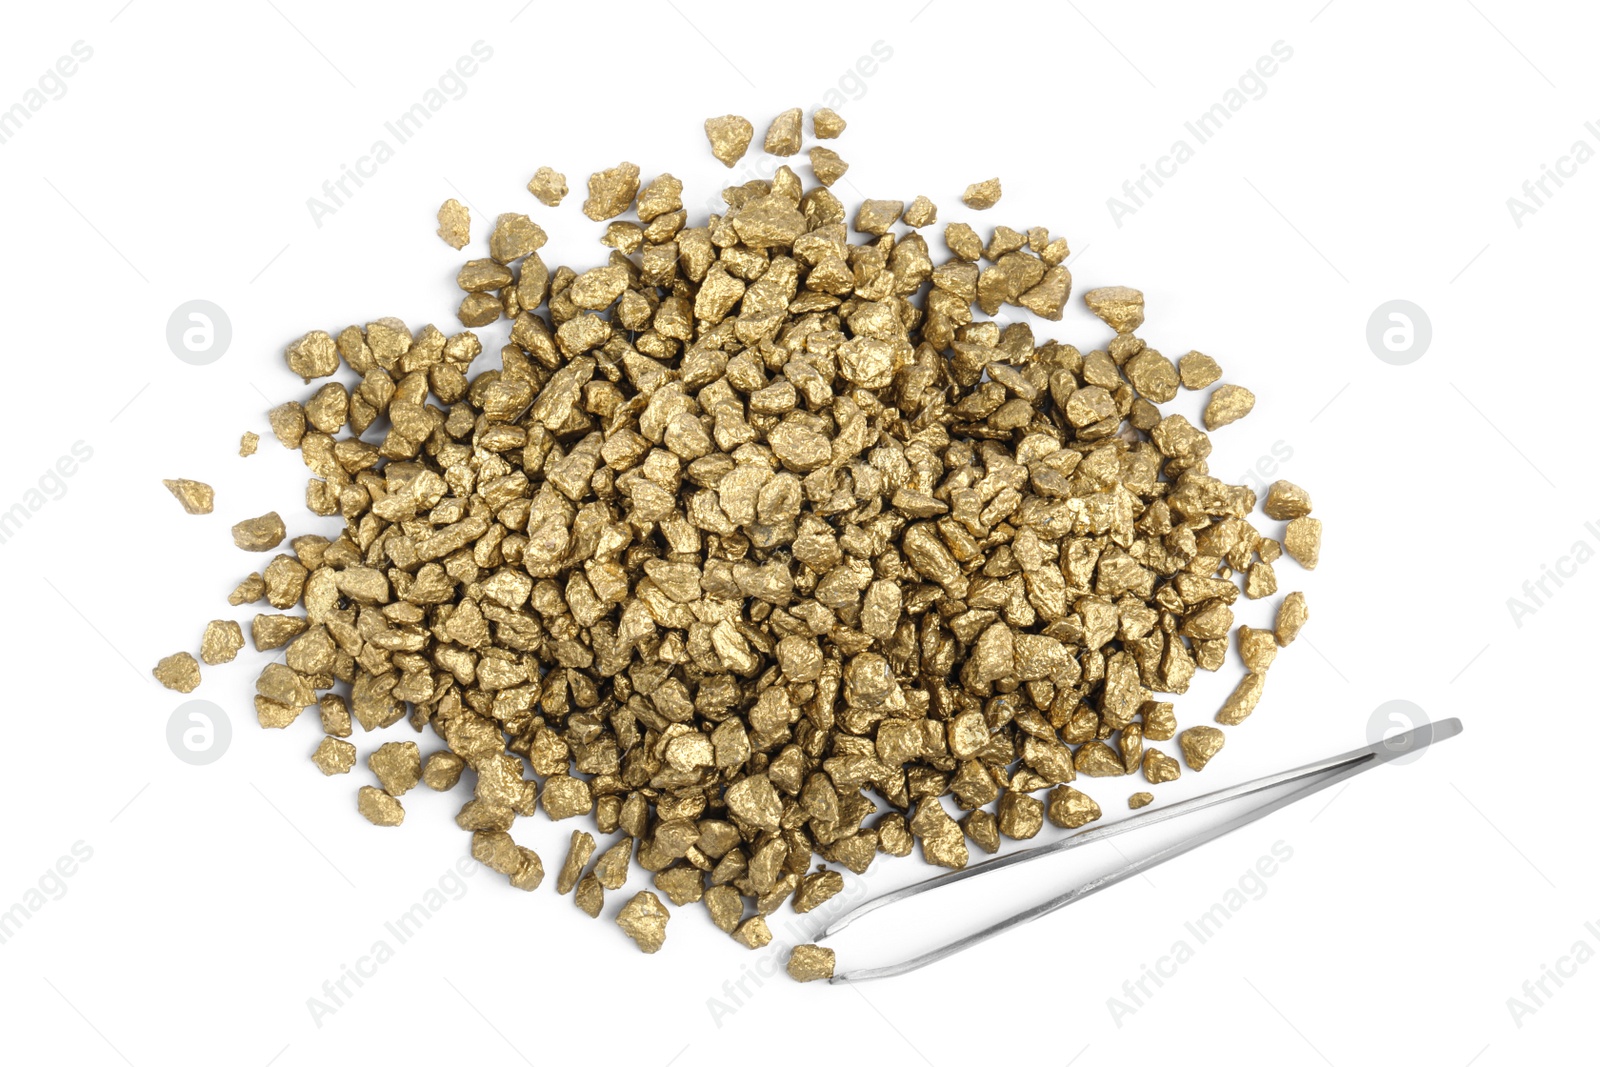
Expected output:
(1314, 776)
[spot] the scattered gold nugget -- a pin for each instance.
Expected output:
(248, 442)
(178, 671)
(1117, 306)
(611, 192)
(578, 853)
(1285, 500)
(1199, 744)
(334, 756)
(826, 123)
(1197, 370)
(753, 933)
(248, 591)
(1292, 616)
(920, 212)
(221, 641)
(783, 136)
(1257, 648)
(589, 896)
(1160, 767)
(809, 963)
(826, 165)
(1240, 703)
(980, 196)
(1302, 539)
(729, 136)
(378, 807)
(196, 497)
(260, 534)
(1070, 809)
(548, 186)
(530, 871)
(1020, 817)
(1140, 800)
(455, 224)
(1229, 403)
(398, 766)
(644, 918)
(442, 771)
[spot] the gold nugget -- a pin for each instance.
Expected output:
(196, 497)
(455, 224)
(378, 807)
(334, 756)
(221, 642)
(808, 963)
(1199, 744)
(980, 196)
(644, 918)
(1292, 616)
(178, 671)
(548, 186)
(826, 123)
(783, 136)
(1302, 539)
(729, 136)
(1229, 403)
(261, 534)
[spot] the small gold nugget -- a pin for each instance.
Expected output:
(178, 671)
(826, 123)
(1199, 744)
(1197, 370)
(729, 136)
(1302, 539)
(221, 641)
(334, 756)
(783, 136)
(644, 918)
(1292, 616)
(809, 963)
(1285, 500)
(378, 807)
(260, 534)
(548, 186)
(980, 196)
(1229, 403)
(196, 497)
(455, 224)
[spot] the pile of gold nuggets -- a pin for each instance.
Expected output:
(757, 545)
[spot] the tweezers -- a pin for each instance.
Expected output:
(1312, 778)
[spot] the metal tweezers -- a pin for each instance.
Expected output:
(1313, 777)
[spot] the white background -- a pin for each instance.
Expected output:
(1376, 166)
